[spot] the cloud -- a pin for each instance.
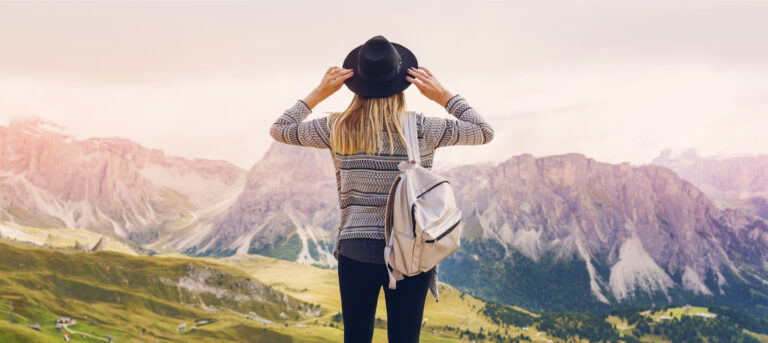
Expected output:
(615, 81)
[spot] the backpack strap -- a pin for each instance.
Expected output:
(387, 252)
(412, 137)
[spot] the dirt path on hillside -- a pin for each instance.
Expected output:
(66, 327)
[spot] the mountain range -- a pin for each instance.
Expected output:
(546, 229)
(733, 182)
(561, 232)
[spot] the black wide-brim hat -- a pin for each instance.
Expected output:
(380, 68)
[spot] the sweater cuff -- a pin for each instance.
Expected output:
(451, 104)
(305, 105)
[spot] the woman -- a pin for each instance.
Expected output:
(366, 142)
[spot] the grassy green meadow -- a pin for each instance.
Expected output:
(253, 298)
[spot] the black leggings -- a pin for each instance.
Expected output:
(359, 284)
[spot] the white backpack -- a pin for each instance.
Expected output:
(422, 222)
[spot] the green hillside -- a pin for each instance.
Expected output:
(127, 296)
(255, 298)
(147, 297)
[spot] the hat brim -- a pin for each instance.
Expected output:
(380, 89)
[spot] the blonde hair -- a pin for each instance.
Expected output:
(359, 126)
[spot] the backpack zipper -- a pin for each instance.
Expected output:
(444, 233)
(413, 219)
(413, 207)
(388, 211)
(433, 186)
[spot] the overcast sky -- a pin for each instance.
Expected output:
(616, 81)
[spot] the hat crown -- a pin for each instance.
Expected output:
(378, 60)
(380, 68)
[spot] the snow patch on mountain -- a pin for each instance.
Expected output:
(528, 243)
(636, 268)
(308, 232)
(593, 277)
(721, 282)
(243, 243)
(691, 281)
(565, 248)
(195, 238)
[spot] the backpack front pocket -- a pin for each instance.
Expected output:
(447, 231)
(434, 251)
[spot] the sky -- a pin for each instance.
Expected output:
(615, 81)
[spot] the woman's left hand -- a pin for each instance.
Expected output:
(331, 82)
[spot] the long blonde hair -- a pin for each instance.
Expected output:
(359, 126)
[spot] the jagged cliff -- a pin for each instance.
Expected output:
(290, 196)
(112, 186)
(650, 230)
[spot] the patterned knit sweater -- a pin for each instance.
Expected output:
(363, 181)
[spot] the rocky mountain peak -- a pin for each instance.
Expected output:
(33, 124)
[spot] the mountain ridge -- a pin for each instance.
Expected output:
(641, 232)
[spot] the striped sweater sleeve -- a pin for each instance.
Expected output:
(291, 128)
(469, 127)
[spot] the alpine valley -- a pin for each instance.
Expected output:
(553, 233)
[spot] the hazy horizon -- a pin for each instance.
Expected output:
(614, 81)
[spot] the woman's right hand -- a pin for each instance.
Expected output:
(429, 86)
